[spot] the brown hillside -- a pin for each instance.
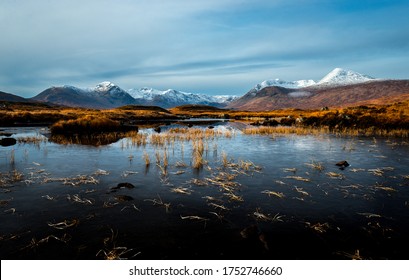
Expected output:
(376, 92)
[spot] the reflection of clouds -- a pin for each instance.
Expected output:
(305, 143)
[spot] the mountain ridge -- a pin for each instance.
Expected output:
(338, 76)
(272, 98)
(336, 87)
(108, 95)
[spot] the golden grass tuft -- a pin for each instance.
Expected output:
(85, 125)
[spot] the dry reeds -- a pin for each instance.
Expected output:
(84, 125)
(146, 158)
(112, 251)
(197, 154)
(316, 165)
(273, 193)
(64, 224)
(158, 201)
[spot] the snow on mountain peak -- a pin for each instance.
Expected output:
(282, 83)
(104, 86)
(180, 97)
(340, 76)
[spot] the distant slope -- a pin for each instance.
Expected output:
(342, 96)
(173, 98)
(4, 96)
(271, 98)
(107, 95)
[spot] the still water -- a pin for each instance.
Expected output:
(255, 197)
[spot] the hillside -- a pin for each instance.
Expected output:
(315, 97)
(103, 96)
(4, 96)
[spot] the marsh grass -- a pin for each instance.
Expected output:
(307, 130)
(112, 251)
(85, 125)
(159, 202)
(197, 154)
(7, 179)
(146, 158)
(335, 175)
(35, 140)
(316, 165)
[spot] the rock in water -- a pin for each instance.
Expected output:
(125, 185)
(342, 163)
(5, 142)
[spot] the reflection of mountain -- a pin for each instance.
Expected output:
(340, 88)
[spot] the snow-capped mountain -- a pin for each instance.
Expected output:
(339, 88)
(171, 98)
(103, 95)
(109, 95)
(336, 77)
(340, 76)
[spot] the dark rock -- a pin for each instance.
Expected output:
(210, 127)
(157, 129)
(7, 142)
(189, 125)
(342, 163)
(122, 198)
(125, 185)
(121, 186)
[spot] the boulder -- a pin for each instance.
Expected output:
(342, 163)
(8, 141)
(125, 185)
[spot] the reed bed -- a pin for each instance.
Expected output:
(197, 154)
(306, 130)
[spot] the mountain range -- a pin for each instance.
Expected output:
(109, 95)
(338, 88)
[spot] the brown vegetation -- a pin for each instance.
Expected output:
(392, 119)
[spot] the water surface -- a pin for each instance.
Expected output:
(256, 197)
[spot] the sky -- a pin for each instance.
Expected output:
(209, 46)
